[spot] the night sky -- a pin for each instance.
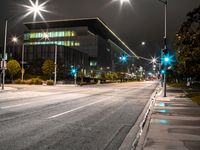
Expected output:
(143, 21)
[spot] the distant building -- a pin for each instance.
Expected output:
(87, 44)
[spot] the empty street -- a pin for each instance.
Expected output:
(70, 117)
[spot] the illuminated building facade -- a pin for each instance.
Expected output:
(87, 44)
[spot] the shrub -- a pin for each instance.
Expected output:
(50, 82)
(19, 81)
(36, 81)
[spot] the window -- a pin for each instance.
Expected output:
(36, 35)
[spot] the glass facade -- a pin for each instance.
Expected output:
(85, 47)
(102, 53)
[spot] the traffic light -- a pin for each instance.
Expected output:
(167, 59)
(73, 71)
(162, 71)
(123, 58)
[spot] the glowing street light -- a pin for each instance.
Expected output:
(46, 36)
(14, 39)
(154, 60)
(143, 43)
(122, 2)
(34, 8)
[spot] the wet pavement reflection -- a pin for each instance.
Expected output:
(176, 122)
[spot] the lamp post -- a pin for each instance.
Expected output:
(55, 65)
(34, 8)
(23, 70)
(4, 55)
(165, 44)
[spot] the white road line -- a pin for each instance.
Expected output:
(12, 106)
(66, 112)
(43, 101)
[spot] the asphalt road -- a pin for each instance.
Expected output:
(70, 118)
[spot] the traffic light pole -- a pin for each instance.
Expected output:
(165, 41)
(165, 47)
(55, 65)
(4, 55)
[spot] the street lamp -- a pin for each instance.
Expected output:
(36, 9)
(14, 39)
(143, 43)
(165, 42)
(154, 60)
(123, 1)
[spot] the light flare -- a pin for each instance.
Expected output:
(36, 9)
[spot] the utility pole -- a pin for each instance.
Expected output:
(22, 77)
(4, 56)
(55, 65)
(165, 48)
(165, 51)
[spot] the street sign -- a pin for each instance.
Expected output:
(3, 65)
(6, 56)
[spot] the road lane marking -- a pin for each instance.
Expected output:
(18, 105)
(62, 99)
(66, 112)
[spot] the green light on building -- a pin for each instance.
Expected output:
(64, 43)
(40, 35)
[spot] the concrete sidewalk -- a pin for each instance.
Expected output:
(174, 123)
(7, 88)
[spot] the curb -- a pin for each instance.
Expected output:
(133, 137)
(145, 129)
(7, 89)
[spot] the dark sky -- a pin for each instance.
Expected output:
(143, 21)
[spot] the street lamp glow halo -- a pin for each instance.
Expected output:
(122, 2)
(14, 39)
(143, 43)
(166, 59)
(46, 36)
(36, 9)
(154, 60)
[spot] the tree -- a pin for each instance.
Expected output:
(188, 46)
(93, 74)
(80, 75)
(13, 67)
(111, 76)
(48, 68)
